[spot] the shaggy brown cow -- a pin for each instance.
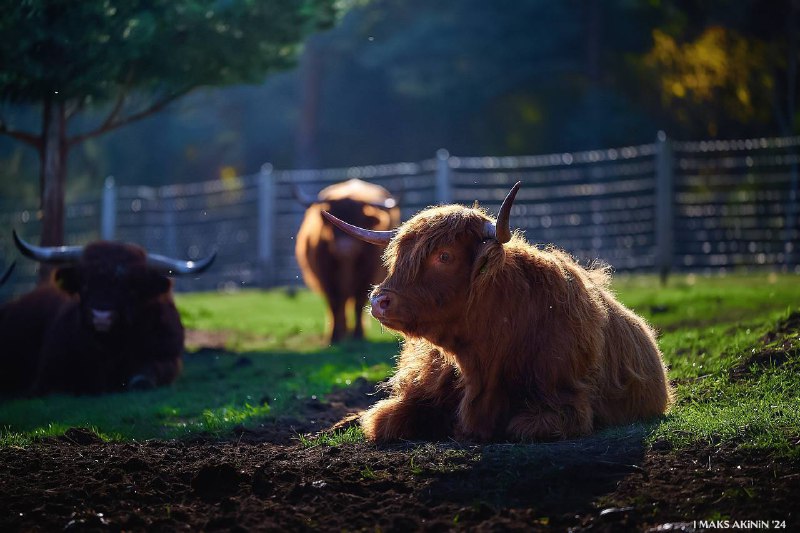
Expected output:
(106, 322)
(504, 340)
(336, 265)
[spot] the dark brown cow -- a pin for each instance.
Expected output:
(106, 322)
(335, 264)
(505, 340)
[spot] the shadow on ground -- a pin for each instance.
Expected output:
(265, 480)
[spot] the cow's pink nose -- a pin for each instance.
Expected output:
(380, 304)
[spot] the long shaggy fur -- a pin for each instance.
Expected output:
(507, 341)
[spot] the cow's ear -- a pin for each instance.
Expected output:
(488, 255)
(153, 284)
(68, 279)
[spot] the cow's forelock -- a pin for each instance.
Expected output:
(420, 297)
(426, 232)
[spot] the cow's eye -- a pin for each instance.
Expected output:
(445, 257)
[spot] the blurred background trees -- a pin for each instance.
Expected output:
(79, 70)
(398, 79)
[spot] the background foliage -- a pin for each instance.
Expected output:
(396, 80)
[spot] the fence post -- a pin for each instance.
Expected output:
(266, 225)
(444, 189)
(665, 199)
(167, 195)
(791, 236)
(108, 210)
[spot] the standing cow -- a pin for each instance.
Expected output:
(504, 340)
(335, 264)
(106, 322)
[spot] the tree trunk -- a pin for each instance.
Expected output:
(306, 155)
(53, 171)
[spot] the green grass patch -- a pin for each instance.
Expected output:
(275, 356)
(284, 362)
(15, 438)
(333, 438)
(709, 327)
(706, 324)
(251, 320)
(217, 392)
(760, 413)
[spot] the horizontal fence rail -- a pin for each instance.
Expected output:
(656, 207)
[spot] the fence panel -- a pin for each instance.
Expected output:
(597, 204)
(736, 203)
(679, 205)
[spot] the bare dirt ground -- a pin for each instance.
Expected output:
(265, 480)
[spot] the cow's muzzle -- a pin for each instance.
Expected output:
(381, 304)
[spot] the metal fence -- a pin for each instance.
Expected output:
(656, 207)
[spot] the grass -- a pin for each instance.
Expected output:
(708, 327)
(274, 353)
(216, 393)
(277, 356)
(333, 438)
(264, 320)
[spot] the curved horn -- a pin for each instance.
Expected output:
(502, 231)
(178, 267)
(48, 254)
(367, 235)
(8, 272)
(301, 196)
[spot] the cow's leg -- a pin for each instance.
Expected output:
(360, 301)
(539, 422)
(157, 373)
(156, 359)
(422, 406)
(408, 418)
(338, 319)
(481, 412)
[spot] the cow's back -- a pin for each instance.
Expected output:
(357, 190)
(633, 382)
(325, 264)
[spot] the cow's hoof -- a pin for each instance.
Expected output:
(141, 382)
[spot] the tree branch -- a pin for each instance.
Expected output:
(113, 121)
(23, 136)
(114, 113)
(123, 94)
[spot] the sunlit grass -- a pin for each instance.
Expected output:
(16, 438)
(277, 357)
(761, 413)
(706, 323)
(251, 320)
(708, 326)
(216, 393)
(286, 362)
(333, 438)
